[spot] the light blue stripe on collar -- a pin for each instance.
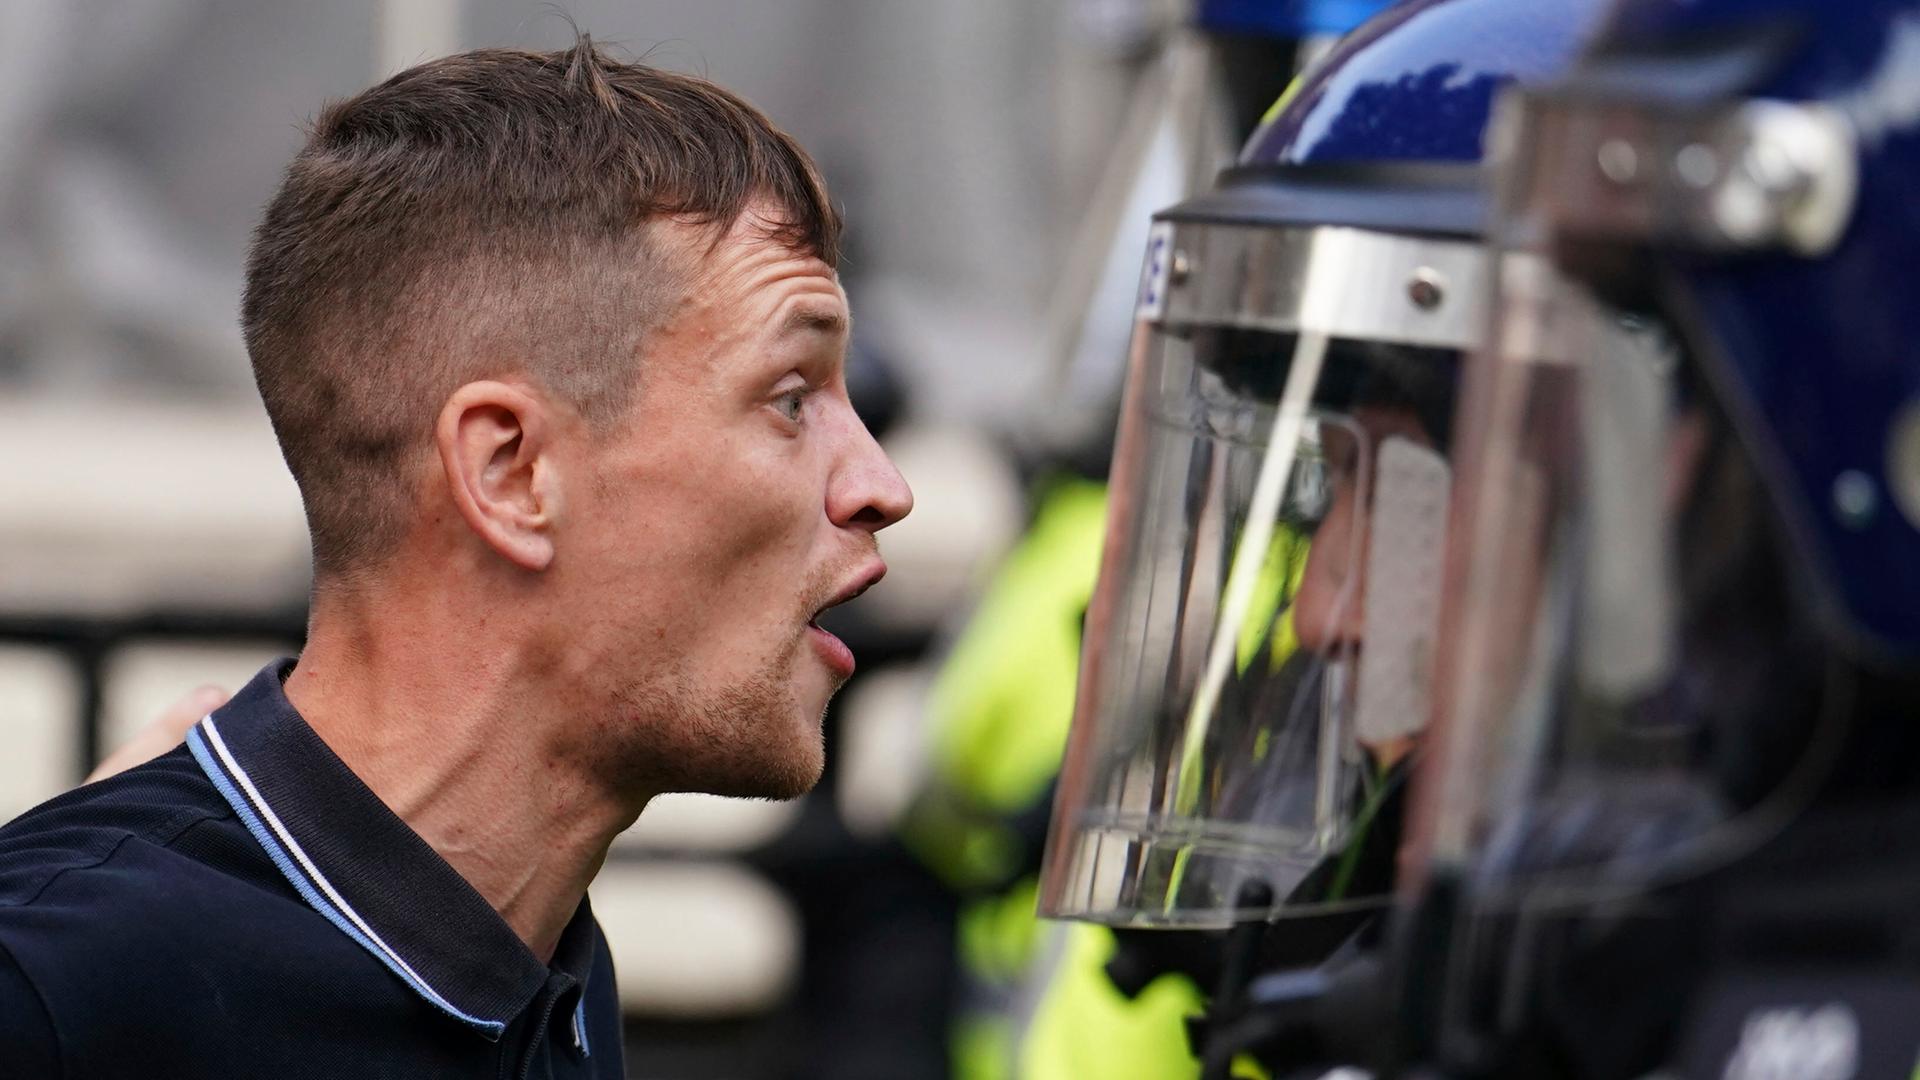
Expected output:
(210, 752)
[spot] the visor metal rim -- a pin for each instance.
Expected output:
(1343, 282)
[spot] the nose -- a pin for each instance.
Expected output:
(1328, 609)
(867, 492)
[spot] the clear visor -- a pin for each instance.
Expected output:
(1624, 689)
(1259, 647)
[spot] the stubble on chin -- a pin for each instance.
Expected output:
(743, 740)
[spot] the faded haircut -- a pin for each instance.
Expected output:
(482, 215)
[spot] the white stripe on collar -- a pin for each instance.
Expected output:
(320, 881)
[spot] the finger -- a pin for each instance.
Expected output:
(186, 712)
(163, 734)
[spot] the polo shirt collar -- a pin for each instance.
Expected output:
(359, 865)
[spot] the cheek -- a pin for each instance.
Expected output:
(1330, 564)
(765, 508)
(736, 520)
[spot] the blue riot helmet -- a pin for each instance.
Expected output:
(1256, 660)
(1289, 19)
(1685, 625)
(1259, 45)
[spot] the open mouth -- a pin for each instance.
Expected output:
(831, 649)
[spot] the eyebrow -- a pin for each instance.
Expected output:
(814, 319)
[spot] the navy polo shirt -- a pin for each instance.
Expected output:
(245, 907)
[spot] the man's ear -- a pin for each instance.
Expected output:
(495, 442)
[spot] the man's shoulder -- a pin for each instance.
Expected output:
(137, 903)
(150, 808)
(145, 932)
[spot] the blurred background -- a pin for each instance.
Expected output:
(997, 160)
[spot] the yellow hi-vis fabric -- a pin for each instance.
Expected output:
(1004, 699)
(1084, 1026)
(1000, 711)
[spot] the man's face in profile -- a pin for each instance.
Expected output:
(1330, 605)
(737, 499)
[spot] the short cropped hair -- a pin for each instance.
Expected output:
(482, 215)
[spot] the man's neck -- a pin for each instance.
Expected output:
(455, 742)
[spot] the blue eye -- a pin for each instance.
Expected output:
(790, 403)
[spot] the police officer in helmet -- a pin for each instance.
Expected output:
(1666, 808)
(1260, 645)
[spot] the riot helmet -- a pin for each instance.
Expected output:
(1258, 651)
(1681, 642)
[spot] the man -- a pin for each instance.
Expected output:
(553, 348)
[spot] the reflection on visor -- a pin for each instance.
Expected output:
(1252, 365)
